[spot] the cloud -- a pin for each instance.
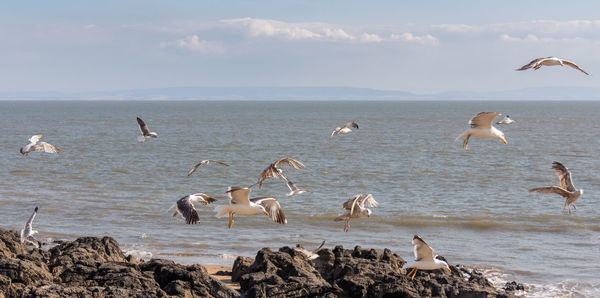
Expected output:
(317, 31)
(533, 38)
(193, 43)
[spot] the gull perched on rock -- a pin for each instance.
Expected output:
(506, 120)
(344, 129)
(27, 232)
(311, 255)
(185, 206)
(481, 127)
(36, 146)
(357, 207)
(146, 133)
(240, 203)
(424, 258)
(274, 171)
(205, 162)
(550, 61)
(566, 188)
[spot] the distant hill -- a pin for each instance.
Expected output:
(307, 93)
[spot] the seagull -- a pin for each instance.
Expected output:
(344, 129)
(550, 61)
(355, 208)
(27, 232)
(240, 204)
(37, 146)
(273, 171)
(185, 206)
(481, 127)
(424, 258)
(146, 133)
(311, 255)
(203, 163)
(566, 188)
(506, 120)
(294, 190)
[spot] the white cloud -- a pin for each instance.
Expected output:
(534, 38)
(194, 44)
(317, 31)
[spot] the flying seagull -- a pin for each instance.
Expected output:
(506, 120)
(146, 133)
(424, 258)
(273, 171)
(203, 163)
(357, 207)
(27, 232)
(36, 146)
(550, 61)
(311, 255)
(566, 188)
(185, 206)
(481, 127)
(294, 190)
(344, 129)
(240, 204)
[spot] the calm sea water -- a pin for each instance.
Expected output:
(472, 207)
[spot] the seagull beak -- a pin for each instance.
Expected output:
(449, 270)
(504, 140)
(266, 213)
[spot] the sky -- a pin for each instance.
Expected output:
(416, 46)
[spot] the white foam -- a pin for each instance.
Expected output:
(139, 254)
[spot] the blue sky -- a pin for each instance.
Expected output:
(417, 46)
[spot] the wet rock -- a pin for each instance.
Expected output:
(513, 286)
(240, 267)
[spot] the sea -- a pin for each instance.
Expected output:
(473, 207)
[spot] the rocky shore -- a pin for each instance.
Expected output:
(96, 267)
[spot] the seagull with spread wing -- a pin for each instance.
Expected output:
(294, 190)
(481, 127)
(550, 61)
(185, 206)
(274, 171)
(357, 207)
(27, 232)
(424, 258)
(566, 188)
(36, 146)
(240, 203)
(205, 162)
(506, 120)
(344, 129)
(146, 133)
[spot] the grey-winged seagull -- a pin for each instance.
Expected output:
(566, 188)
(424, 258)
(146, 133)
(274, 171)
(550, 61)
(344, 129)
(27, 232)
(481, 127)
(185, 206)
(205, 162)
(240, 203)
(36, 146)
(357, 207)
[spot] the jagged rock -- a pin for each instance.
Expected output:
(10, 245)
(240, 267)
(513, 286)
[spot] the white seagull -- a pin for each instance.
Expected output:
(311, 255)
(274, 171)
(506, 120)
(146, 133)
(550, 61)
(36, 146)
(424, 258)
(344, 129)
(481, 127)
(185, 206)
(357, 207)
(205, 162)
(566, 188)
(294, 190)
(240, 204)
(27, 232)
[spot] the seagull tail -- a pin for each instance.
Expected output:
(141, 139)
(222, 210)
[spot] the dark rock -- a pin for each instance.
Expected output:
(10, 244)
(513, 286)
(240, 267)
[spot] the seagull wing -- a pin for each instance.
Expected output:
(272, 207)
(270, 172)
(202, 198)
(573, 65)
(186, 207)
(351, 124)
(368, 201)
(483, 119)
(29, 224)
(45, 147)
(564, 175)
(204, 162)
(289, 162)
(239, 195)
(219, 162)
(531, 64)
(352, 203)
(423, 252)
(551, 189)
(34, 139)
(143, 126)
